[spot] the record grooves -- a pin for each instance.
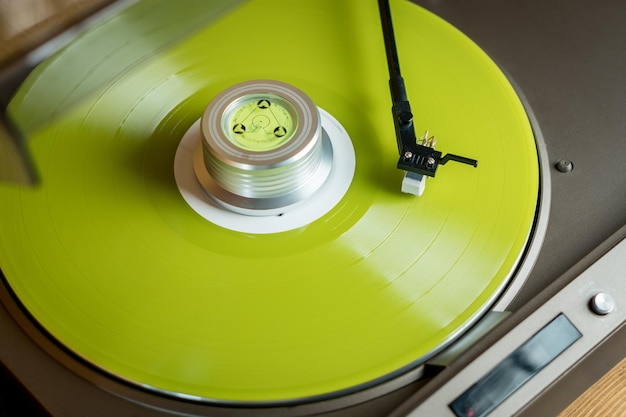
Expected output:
(112, 262)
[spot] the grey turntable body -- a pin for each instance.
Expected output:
(567, 59)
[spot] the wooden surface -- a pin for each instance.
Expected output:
(26, 24)
(605, 398)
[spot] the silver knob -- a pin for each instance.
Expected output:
(602, 303)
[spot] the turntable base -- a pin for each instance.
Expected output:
(607, 396)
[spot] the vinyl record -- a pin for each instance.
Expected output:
(108, 257)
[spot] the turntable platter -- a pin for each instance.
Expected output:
(111, 261)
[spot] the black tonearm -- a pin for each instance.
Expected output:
(419, 157)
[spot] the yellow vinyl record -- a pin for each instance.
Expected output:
(110, 259)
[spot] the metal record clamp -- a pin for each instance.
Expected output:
(418, 158)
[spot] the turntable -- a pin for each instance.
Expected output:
(220, 228)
